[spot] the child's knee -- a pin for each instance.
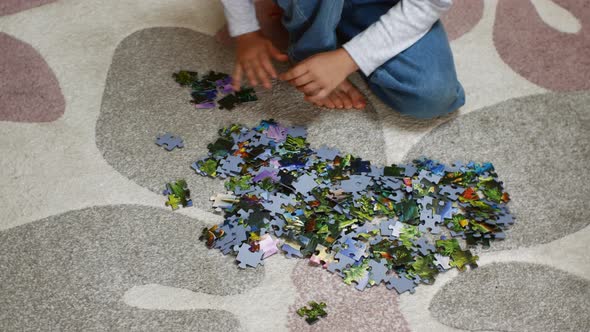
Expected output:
(434, 100)
(425, 101)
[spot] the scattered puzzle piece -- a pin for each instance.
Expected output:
(169, 141)
(313, 313)
(178, 194)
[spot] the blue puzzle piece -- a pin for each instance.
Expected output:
(401, 285)
(248, 258)
(304, 184)
(326, 153)
(291, 252)
(169, 141)
(342, 263)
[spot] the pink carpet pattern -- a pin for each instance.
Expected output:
(555, 60)
(29, 89)
(8, 7)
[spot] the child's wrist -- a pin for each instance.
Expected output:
(348, 61)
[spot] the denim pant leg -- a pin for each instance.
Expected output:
(421, 81)
(311, 25)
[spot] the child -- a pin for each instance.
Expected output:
(400, 47)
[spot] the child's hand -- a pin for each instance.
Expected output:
(318, 75)
(253, 56)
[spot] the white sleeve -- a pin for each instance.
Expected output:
(399, 28)
(241, 16)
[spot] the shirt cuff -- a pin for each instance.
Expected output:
(240, 16)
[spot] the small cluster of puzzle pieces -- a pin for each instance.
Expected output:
(178, 194)
(398, 225)
(213, 89)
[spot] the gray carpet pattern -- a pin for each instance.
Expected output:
(514, 297)
(70, 271)
(142, 100)
(540, 146)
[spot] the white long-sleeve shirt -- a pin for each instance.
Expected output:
(399, 28)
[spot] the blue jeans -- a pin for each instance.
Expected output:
(420, 81)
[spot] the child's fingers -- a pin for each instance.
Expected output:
(276, 54)
(294, 72)
(251, 75)
(309, 89)
(237, 77)
(262, 76)
(267, 65)
(302, 80)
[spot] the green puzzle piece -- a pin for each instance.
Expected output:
(313, 314)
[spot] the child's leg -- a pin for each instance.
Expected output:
(421, 81)
(311, 25)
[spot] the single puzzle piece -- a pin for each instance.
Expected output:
(340, 265)
(457, 166)
(430, 176)
(445, 210)
(378, 271)
(391, 182)
(223, 201)
(424, 247)
(313, 313)
(397, 196)
(452, 192)
(326, 153)
(442, 261)
(268, 245)
(169, 141)
(291, 252)
(231, 165)
(246, 95)
(409, 170)
(429, 221)
(205, 105)
(425, 202)
(248, 258)
(277, 225)
(396, 229)
(323, 255)
(274, 203)
(355, 183)
(354, 249)
(401, 285)
(376, 171)
(297, 131)
(228, 102)
(304, 184)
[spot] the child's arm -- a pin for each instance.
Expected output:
(253, 51)
(398, 29)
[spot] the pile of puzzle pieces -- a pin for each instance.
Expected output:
(399, 225)
(213, 89)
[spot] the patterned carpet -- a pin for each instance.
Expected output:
(86, 243)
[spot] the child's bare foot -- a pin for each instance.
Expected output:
(345, 95)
